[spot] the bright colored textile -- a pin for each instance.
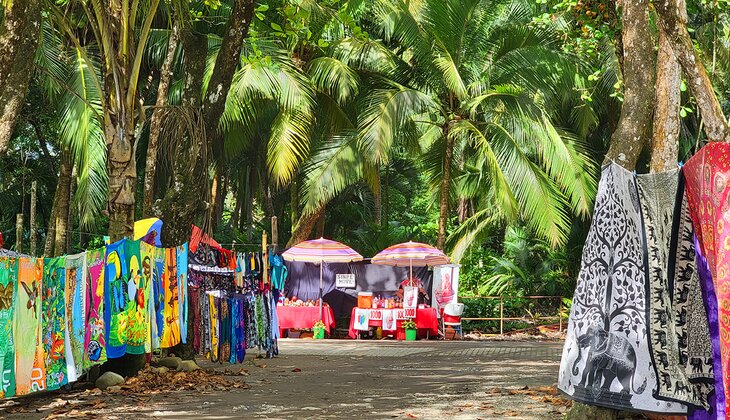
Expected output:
(707, 176)
(94, 340)
(182, 288)
(8, 297)
(140, 286)
(75, 314)
(214, 327)
(30, 373)
(158, 296)
(116, 275)
(171, 333)
(54, 321)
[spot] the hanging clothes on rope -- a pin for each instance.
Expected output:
(8, 297)
(94, 339)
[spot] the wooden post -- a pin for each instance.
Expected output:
(274, 232)
(33, 233)
(19, 233)
(265, 257)
(560, 314)
(501, 315)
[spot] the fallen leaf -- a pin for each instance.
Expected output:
(412, 416)
(296, 370)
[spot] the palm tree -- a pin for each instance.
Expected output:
(475, 78)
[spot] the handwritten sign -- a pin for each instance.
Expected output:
(409, 312)
(345, 280)
(376, 314)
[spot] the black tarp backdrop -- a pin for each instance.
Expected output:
(303, 282)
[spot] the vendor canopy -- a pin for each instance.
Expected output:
(318, 250)
(414, 254)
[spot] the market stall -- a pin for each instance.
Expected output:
(426, 321)
(304, 317)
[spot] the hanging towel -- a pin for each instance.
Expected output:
(75, 314)
(171, 333)
(30, 368)
(54, 321)
(8, 297)
(182, 287)
(116, 275)
(94, 339)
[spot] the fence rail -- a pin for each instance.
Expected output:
(528, 316)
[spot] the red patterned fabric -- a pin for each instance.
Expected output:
(707, 177)
(426, 320)
(302, 317)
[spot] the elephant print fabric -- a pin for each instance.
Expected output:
(707, 176)
(606, 359)
(662, 203)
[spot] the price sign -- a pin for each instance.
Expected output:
(345, 280)
(376, 314)
(409, 312)
(400, 314)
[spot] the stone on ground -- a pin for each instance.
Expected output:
(109, 379)
(188, 366)
(170, 362)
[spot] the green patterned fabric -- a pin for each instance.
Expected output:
(8, 293)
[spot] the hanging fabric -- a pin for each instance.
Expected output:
(135, 309)
(75, 314)
(278, 271)
(30, 372)
(8, 297)
(182, 286)
(54, 321)
(140, 289)
(158, 297)
(116, 274)
(707, 176)
(171, 333)
(94, 339)
(606, 359)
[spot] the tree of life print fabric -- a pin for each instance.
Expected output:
(707, 176)
(94, 342)
(54, 321)
(8, 293)
(30, 374)
(606, 359)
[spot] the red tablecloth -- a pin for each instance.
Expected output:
(304, 317)
(426, 320)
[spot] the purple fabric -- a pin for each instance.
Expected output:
(717, 398)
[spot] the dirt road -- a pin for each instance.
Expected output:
(345, 379)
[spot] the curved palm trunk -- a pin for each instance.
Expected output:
(18, 40)
(156, 122)
(444, 190)
(60, 207)
(304, 226)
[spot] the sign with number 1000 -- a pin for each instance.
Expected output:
(409, 312)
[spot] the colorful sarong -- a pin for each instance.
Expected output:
(707, 176)
(606, 358)
(171, 333)
(75, 314)
(158, 297)
(136, 309)
(214, 327)
(8, 297)
(54, 321)
(147, 256)
(30, 372)
(182, 288)
(116, 276)
(94, 340)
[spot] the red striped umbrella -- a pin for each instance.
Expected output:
(410, 254)
(319, 251)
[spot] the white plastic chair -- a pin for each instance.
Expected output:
(453, 310)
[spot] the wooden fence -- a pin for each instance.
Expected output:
(526, 318)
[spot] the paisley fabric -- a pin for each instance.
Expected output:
(54, 322)
(707, 176)
(116, 276)
(94, 340)
(658, 197)
(30, 372)
(606, 359)
(182, 288)
(8, 297)
(75, 314)
(171, 332)
(158, 296)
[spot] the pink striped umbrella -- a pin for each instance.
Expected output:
(410, 254)
(319, 251)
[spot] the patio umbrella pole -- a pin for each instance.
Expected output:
(321, 263)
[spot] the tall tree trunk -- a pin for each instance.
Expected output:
(377, 198)
(236, 216)
(632, 131)
(444, 189)
(320, 224)
(156, 121)
(33, 232)
(304, 226)
(215, 193)
(70, 213)
(266, 193)
(19, 35)
(386, 196)
(63, 191)
(294, 201)
(665, 138)
(673, 20)
(225, 65)
(122, 171)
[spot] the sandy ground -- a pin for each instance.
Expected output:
(343, 379)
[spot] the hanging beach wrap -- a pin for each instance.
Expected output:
(171, 332)
(143, 290)
(135, 306)
(30, 373)
(158, 296)
(182, 289)
(658, 195)
(8, 296)
(707, 176)
(94, 341)
(606, 359)
(54, 321)
(75, 314)
(116, 274)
